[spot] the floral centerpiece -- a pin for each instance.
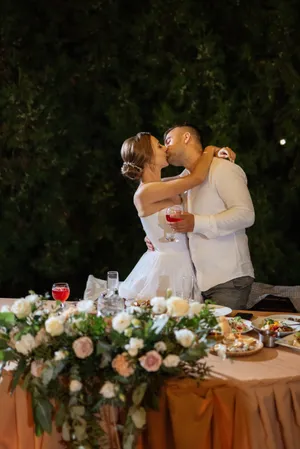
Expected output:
(74, 362)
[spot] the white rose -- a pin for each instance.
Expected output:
(177, 307)
(86, 306)
(109, 390)
(134, 345)
(139, 417)
(31, 298)
(185, 337)
(75, 386)
(60, 355)
(5, 309)
(121, 321)
(160, 346)
(171, 361)
(21, 308)
(26, 344)
(54, 326)
(195, 309)
(159, 305)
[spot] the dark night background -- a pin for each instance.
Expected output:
(78, 77)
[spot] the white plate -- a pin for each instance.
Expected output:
(221, 310)
(288, 342)
(257, 323)
(246, 322)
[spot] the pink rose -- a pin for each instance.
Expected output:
(122, 366)
(83, 347)
(36, 368)
(151, 361)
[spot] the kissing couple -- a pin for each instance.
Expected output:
(211, 244)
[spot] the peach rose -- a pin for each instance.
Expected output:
(122, 366)
(83, 347)
(151, 361)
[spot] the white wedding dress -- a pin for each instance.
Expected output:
(160, 269)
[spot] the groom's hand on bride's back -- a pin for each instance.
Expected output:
(186, 224)
(149, 244)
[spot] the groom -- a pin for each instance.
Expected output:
(218, 213)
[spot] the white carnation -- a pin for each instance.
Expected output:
(75, 386)
(86, 306)
(60, 355)
(185, 337)
(160, 346)
(171, 361)
(26, 344)
(195, 309)
(139, 417)
(121, 321)
(54, 326)
(21, 308)
(159, 305)
(177, 307)
(134, 345)
(109, 390)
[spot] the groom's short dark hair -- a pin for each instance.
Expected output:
(194, 130)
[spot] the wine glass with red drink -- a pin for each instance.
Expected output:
(60, 292)
(173, 215)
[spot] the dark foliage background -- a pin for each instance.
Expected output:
(80, 76)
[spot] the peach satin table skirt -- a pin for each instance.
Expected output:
(248, 403)
(16, 422)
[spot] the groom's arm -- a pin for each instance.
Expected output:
(231, 185)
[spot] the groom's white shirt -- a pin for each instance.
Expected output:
(223, 209)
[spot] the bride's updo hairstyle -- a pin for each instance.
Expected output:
(136, 152)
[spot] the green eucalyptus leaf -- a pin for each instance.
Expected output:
(139, 393)
(102, 347)
(43, 414)
(3, 344)
(17, 374)
(60, 415)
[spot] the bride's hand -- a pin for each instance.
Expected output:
(223, 153)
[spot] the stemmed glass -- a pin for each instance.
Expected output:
(60, 292)
(173, 215)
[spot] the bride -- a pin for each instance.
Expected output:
(143, 159)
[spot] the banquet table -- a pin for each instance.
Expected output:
(251, 402)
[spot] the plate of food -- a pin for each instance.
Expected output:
(240, 326)
(290, 341)
(276, 323)
(237, 347)
(286, 317)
